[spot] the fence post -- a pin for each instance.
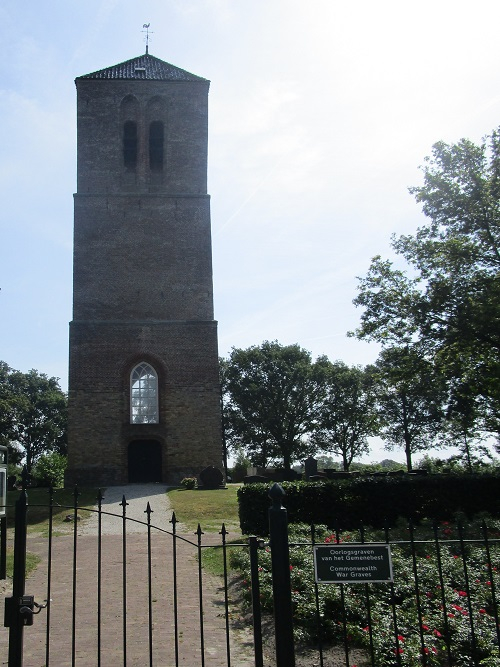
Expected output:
(256, 616)
(16, 628)
(282, 593)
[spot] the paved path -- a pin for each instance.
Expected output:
(130, 576)
(137, 496)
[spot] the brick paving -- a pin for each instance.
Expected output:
(125, 634)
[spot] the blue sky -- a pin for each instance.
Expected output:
(320, 114)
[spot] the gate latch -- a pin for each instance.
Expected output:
(25, 606)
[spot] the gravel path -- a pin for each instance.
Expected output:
(137, 497)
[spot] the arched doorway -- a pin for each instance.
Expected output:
(144, 461)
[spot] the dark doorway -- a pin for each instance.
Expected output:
(144, 461)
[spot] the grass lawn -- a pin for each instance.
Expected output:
(209, 508)
(38, 501)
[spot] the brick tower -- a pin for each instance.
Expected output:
(143, 378)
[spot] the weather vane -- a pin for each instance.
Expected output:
(148, 32)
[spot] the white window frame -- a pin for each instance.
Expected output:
(144, 394)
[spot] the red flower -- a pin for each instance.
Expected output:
(401, 638)
(366, 629)
(436, 632)
(425, 627)
(398, 650)
(482, 611)
(457, 607)
(462, 594)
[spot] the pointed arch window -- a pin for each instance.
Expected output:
(156, 145)
(130, 144)
(143, 395)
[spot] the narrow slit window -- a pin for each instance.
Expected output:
(156, 145)
(143, 395)
(130, 144)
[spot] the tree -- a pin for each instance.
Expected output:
(6, 413)
(449, 299)
(347, 417)
(409, 398)
(271, 399)
(462, 421)
(34, 414)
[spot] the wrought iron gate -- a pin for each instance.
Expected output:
(128, 599)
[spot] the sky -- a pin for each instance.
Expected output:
(320, 113)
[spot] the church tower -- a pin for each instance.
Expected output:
(144, 402)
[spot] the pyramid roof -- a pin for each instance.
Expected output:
(145, 67)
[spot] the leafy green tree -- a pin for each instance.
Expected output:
(449, 298)
(49, 470)
(463, 421)
(409, 397)
(271, 398)
(347, 417)
(33, 414)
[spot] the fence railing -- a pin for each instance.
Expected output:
(129, 599)
(440, 605)
(118, 599)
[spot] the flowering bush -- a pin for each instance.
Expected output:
(189, 482)
(439, 610)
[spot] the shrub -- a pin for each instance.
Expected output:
(372, 501)
(453, 596)
(49, 470)
(189, 482)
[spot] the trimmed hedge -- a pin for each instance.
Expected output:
(372, 501)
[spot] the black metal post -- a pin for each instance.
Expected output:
(256, 615)
(16, 629)
(282, 594)
(3, 547)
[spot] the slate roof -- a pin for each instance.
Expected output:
(145, 67)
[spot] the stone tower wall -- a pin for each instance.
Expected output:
(142, 283)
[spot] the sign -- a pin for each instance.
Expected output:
(352, 563)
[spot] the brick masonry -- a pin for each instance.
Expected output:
(142, 282)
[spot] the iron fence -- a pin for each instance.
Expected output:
(145, 598)
(132, 598)
(438, 605)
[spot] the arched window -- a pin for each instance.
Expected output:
(130, 144)
(143, 395)
(156, 145)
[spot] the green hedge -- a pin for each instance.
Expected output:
(372, 501)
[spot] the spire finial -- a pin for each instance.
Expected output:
(148, 32)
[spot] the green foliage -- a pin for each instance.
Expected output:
(409, 394)
(372, 501)
(189, 482)
(33, 415)
(437, 625)
(449, 299)
(271, 395)
(347, 416)
(49, 470)
(457, 465)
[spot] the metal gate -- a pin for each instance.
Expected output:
(129, 599)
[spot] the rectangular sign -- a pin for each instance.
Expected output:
(352, 563)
